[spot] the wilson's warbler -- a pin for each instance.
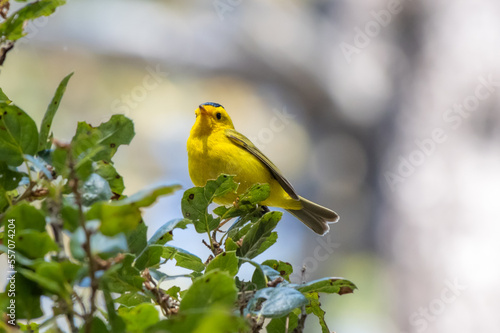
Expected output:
(215, 147)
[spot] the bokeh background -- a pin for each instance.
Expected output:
(386, 111)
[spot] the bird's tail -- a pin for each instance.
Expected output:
(315, 216)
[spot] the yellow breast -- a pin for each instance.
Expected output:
(213, 154)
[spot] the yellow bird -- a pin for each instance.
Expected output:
(215, 147)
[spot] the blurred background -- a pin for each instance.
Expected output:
(386, 111)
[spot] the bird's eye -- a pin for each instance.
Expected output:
(218, 115)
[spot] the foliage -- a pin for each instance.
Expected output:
(73, 238)
(12, 28)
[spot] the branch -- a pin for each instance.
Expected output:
(303, 315)
(94, 283)
(167, 304)
(4, 49)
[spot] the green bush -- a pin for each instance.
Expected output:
(72, 236)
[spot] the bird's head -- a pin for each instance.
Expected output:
(211, 117)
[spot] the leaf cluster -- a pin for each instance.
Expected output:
(14, 25)
(74, 239)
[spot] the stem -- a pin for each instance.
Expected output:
(94, 283)
(257, 266)
(82, 305)
(27, 193)
(303, 315)
(71, 321)
(210, 240)
(28, 169)
(54, 207)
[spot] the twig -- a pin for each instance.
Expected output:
(94, 283)
(257, 324)
(54, 208)
(4, 49)
(223, 222)
(303, 315)
(26, 194)
(168, 305)
(244, 297)
(80, 301)
(71, 320)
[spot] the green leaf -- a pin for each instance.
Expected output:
(118, 130)
(31, 327)
(115, 217)
(247, 202)
(34, 244)
(260, 236)
(259, 275)
(60, 161)
(26, 217)
(231, 245)
(279, 325)
(4, 203)
(124, 215)
(226, 261)
(51, 276)
(219, 321)
(314, 307)
(20, 258)
(116, 322)
(284, 268)
(137, 238)
(196, 200)
(12, 27)
(133, 299)
(105, 247)
(173, 292)
(101, 143)
(164, 233)
(241, 227)
(331, 285)
(18, 134)
(27, 298)
(4, 98)
(255, 194)
(139, 317)
(43, 143)
(107, 171)
(97, 326)
(122, 278)
(214, 289)
(147, 197)
(69, 270)
(9, 178)
(95, 189)
(183, 258)
(212, 320)
(70, 217)
(150, 257)
(278, 302)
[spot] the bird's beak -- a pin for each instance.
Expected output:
(202, 110)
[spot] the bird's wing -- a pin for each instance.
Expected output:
(246, 144)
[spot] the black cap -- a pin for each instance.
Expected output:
(216, 105)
